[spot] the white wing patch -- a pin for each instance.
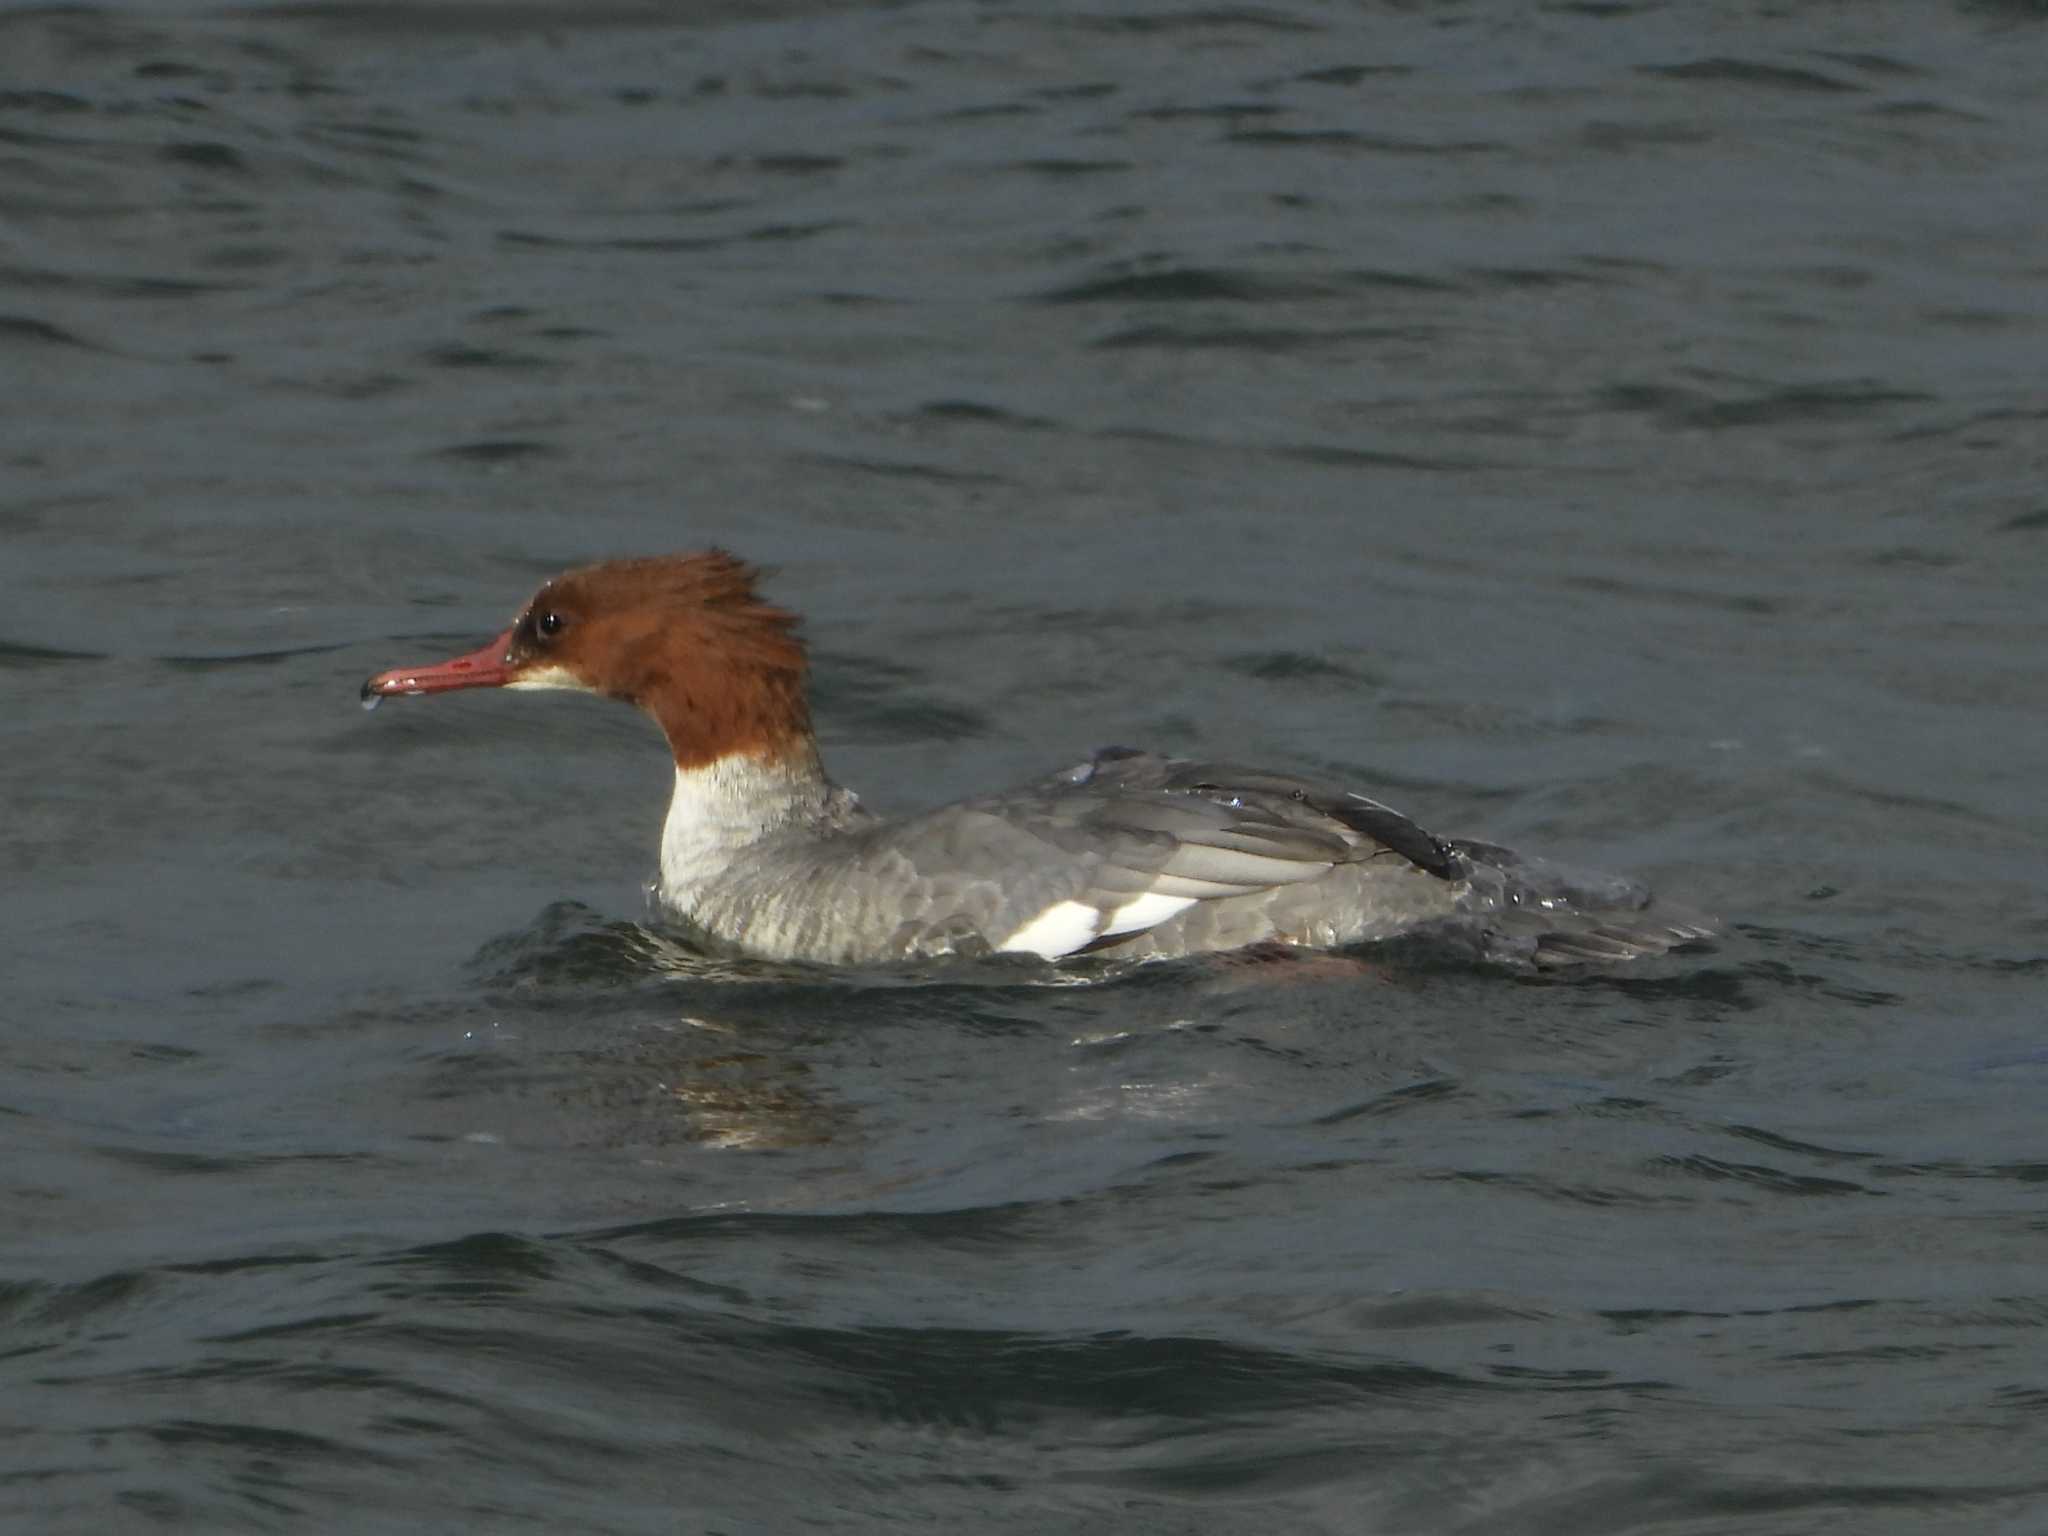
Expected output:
(1070, 925)
(1146, 911)
(1059, 930)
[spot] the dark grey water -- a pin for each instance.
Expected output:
(1617, 430)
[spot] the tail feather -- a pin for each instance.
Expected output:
(1550, 917)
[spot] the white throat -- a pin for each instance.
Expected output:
(724, 809)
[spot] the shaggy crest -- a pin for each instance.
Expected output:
(686, 638)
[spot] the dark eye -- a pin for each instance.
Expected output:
(548, 625)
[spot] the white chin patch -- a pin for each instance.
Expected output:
(1058, 930)
(547, 677)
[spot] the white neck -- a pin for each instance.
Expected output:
(728, 806)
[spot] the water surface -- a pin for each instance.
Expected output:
(1612, 430)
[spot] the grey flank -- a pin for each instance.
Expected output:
(1134, 855)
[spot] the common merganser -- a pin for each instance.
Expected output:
(1128, 854)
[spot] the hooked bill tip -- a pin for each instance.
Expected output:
(387, 685)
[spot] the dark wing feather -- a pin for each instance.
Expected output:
(1130, 841)
(1274, 799)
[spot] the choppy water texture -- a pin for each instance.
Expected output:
(1614, 429)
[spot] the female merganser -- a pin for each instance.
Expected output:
(1128, 854)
